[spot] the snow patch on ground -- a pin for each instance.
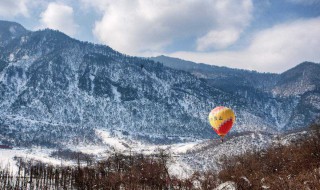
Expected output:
(35, 154)
(11, 57)
(229, 185)
(92, 77)
(115, 143)
(12, 30)
(290, 138)
(25, 57)
(96, 150)
(126, 144)
(7, 159)
(180, 169)
(117, 95)
(182, 148)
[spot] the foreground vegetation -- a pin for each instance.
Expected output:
(117, 172)
(296, 166)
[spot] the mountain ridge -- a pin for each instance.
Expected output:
(10, 30)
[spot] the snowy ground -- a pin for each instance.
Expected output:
(185, 157)
(111, 144)
(36, 154)
(123, 144)
(6, 159)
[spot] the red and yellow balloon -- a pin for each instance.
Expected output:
(221, 119)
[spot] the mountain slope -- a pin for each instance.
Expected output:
(291, 98)
(57, 91)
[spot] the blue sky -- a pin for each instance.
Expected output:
(262, 35)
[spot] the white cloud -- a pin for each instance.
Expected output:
(137, 26)
(59, 17)
(12, 8)
(218, 39)
(272, 50)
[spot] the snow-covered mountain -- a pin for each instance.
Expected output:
(299, 80)
(228, 79)
(56, 91)
(292, 97)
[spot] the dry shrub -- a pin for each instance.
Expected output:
(296, 166)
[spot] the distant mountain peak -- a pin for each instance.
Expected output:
(7, 24)
(303, 66)
(298, 80)
(9, 31)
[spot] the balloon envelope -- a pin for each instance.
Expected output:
(221, 119)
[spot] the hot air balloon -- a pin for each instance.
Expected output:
(221, 119)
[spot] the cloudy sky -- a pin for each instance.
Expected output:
(262, 35)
